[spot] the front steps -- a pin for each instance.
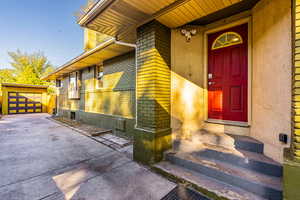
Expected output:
(243, 173)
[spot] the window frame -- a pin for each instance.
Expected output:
(74, 93)
(99, 78)
(226, 43)
(59, 83)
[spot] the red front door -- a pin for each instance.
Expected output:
(228, 74)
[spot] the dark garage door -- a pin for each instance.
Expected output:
(20, 103)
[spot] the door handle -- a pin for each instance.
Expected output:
(211, 83)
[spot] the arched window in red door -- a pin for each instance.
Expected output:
(227, 39)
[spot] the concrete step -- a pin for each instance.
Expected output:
(224, 140)
(211, 187)
(268, 187)
(101, 132)
(245, 159)
(182, 192)
(247, 143)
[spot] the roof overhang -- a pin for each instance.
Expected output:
(120, 18)
(104, 51)
(94, 11)
(24, 85)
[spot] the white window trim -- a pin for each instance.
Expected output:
(75, 93)
(99, 78)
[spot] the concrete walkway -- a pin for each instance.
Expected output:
(40, 159)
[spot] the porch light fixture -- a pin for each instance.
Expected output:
(188, 33)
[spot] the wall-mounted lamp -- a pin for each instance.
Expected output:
(188, 33)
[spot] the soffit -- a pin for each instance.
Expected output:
(92, 57)
(124, 16)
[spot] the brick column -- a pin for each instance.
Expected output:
(291, 165)
(153, 132)
(296, 83)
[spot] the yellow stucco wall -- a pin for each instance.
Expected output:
(187, 91)
(271, 85)
(6, 89)
(271, 76)
(188, 96)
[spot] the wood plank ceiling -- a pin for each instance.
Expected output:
(125, 15)
(122, 17)
(192, 10)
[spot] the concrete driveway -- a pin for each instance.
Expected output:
(40, 159)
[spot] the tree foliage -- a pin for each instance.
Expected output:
(7, 76)
(27, 69)
(30, 68)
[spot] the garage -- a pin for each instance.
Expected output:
(23, 99)
(20, 102)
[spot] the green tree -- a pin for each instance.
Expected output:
(30, 68)
(7, 76)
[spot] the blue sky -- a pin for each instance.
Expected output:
(40, 25)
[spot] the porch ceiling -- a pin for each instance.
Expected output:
(104, 51)
(121, 17)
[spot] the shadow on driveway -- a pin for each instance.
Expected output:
(40, 159)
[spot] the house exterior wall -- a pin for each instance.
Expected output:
(296, 81)
(271, 85)
(189, 93)
(291, 166)
(104, 106)
(153, 133)
(270, 80)
(187, 82)
(93, 38)
(153, 79)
